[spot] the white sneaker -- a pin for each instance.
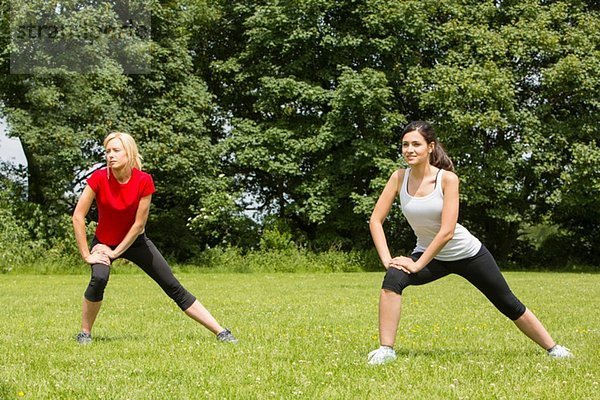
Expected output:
(559, 351)
(382, 355)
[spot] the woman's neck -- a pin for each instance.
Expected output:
(122, 175)
(422, 170)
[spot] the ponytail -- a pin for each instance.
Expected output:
(439, 158)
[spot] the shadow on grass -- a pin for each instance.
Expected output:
(127, 337)
(138, 337)
(446, 353)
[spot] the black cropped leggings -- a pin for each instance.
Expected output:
(481, 270)
(144, 254)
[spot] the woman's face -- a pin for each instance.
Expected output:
(116, 157)
(415, 148)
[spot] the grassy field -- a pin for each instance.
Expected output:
(301, 336)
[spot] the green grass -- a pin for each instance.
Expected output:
(301, 336)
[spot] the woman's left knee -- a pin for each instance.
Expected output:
(395, 280)
(513, 308)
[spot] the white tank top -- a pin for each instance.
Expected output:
(424, 215)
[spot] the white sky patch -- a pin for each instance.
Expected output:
(10, 148)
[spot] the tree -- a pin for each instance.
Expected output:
(494, 77)
(61, 116)
(308, 116)
(293, 109)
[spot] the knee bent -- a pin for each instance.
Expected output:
(395, 280)
(98, 282)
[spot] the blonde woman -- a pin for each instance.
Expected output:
(123, 193)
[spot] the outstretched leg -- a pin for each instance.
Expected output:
(198, 313)
(145, 254)
(483, 272)
(533, 328)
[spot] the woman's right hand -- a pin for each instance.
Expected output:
(97, 258)
(399, 263)
(101, 248)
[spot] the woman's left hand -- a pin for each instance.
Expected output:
(406, 264)
(104, 249)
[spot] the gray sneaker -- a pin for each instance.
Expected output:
(382, 355)
(559, 351)
(84, 338)
(226, 336)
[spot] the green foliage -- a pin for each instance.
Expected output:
(29, 238)
(308, 145)
(538, 235)
(291, 110)
(287, 259)
(61, 118)
(315, 90)
(273, 239)
(16, 246)
(578, 211)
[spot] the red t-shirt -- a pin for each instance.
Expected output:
(118, 203)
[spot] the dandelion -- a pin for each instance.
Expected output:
(20, 393)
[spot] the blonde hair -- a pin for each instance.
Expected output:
(133, 155)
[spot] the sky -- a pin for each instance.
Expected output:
(10, 148)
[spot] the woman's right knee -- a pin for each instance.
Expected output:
(395, 280)
(98, 282)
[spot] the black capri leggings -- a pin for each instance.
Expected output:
(144, 254)
(481, 270)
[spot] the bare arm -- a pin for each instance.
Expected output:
(81, 210)
(380, 213)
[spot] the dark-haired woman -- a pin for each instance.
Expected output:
(429, 198)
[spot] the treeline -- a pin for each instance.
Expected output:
(284, 116)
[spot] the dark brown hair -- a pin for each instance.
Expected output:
(438, 158)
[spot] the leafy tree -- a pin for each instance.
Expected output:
(61, 116)
(308, 116)
(15, 239)
(494, 77)
(292, 109)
